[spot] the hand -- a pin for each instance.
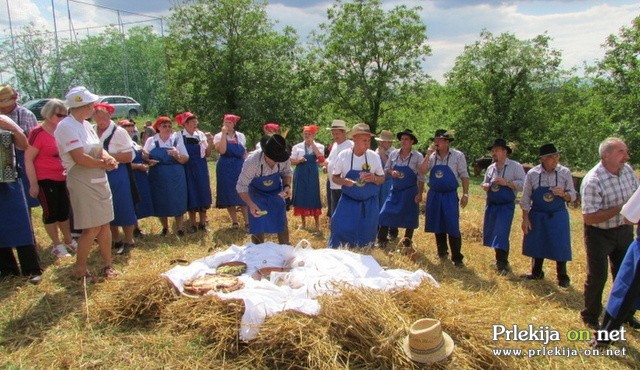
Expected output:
(486, 186)
(464, 201)
(285, 193)
(142, 167)
(173, 153)
(348, 183)
(559, 191)
(255, 211)
(34, 189)
(224, 130)
(395, 174)
(430, 150)
(209, 137)
(499, 181)
(526, 225)
(418, 198)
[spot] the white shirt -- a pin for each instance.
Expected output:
(239, 137)
(201, 137)
(120, 141)
(176, 136)
(333, 157)
(71, 134)
(299, 150)
(343, 164)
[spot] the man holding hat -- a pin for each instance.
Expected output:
(502, 181)
(27, 121)
(401, 207)
(445, 166)
(359, 172)
(263, 185)
(605, 189)
(339, 133)
(385, 147)
(545, 219)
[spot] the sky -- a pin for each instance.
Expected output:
(578, 28)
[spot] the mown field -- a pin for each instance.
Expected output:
(135, 320)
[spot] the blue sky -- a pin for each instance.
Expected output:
(578, 28)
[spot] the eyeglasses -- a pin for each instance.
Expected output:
(60, 115)
(166, 125)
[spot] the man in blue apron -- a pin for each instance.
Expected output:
(502, 181)
(545, 219)
(445, 166)
(401, 207)
(263, 185)
(359, 171)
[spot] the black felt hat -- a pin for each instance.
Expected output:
(548, 149)
(502, 143)
(275, 147)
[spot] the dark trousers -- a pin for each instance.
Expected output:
(335, 197)
(28, 257)
(537, 263)
(383, 231)
(604, 246)
(502, 258)
(455, 243)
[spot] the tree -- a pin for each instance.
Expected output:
(503, 87)
(369, 58)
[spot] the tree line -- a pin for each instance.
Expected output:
(363, 64)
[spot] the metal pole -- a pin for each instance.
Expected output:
(55, 35)
(13, 44)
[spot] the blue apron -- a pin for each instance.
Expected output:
(625, 292)
(144, 208)
(123, 205)
(400, 209)
(549, 236)
(385, 188)
(443, 214)
(355, 220)
(22, 173)
(498, 216)
(15, 224)
(227, 173)
(197, 173)
(168, 184)
(265, 193)
(306, 184)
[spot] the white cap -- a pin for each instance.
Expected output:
(79, 96)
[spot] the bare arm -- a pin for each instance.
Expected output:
(29, 155)
(601, 215)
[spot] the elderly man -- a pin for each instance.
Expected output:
(263, 185)
(27, 121)
(604, 190)
(545, 219)
(339, 133)
(446, 166)
(359, 172)
(401, 208)
(502, 181)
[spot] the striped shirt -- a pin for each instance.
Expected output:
(537, 176)
(412, 161)
(24, 118)
(454, 159)
(256, 166)
(512, 172)
(601, 189)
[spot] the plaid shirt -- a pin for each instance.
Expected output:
(24, 118)
(256, 166)
(601, 189)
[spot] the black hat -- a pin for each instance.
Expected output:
(548, 149)
(275, 147)
(502, 143)
(408, 133)
(443, 134)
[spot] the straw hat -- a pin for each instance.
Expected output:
(339, 125)
(8, 96)
(385, 135)
(360, 128)
(427, 343)
(79, 96)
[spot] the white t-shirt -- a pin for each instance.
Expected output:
(239, 136)
(333, 157)
(120, 141)
(343, 164)
(299, 150)
(175, 137)
(201, 137)
(71, 134)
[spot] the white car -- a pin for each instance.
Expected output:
(125, 106)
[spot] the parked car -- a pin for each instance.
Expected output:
(125, 105)
(35, 106)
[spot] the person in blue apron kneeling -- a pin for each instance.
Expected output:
(545, 219)
(263, 185)
(445, 166)
(401, 207)
(359, 171)
(502, 181)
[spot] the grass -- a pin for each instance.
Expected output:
(135, 320)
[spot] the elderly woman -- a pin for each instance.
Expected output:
(116, 141)
(15, 224)
(306, 178)
(231, 145)
(199, 145)
(47, 179)
(140, 186)
(167, 178)
(86, 163)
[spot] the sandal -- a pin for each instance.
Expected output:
(89, 277)
(109, 272)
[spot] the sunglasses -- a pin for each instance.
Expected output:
(60, 115)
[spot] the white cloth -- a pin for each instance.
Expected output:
(120, 141)
(631, 209)
(313, 272)
(175, 137)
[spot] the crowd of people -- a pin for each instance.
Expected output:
(97, 179)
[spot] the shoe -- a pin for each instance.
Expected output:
(117, 245)
(459, 264)
(35, 280)
(73, 245)
(109, 272)
(137, 233)
(633, 323)
(533, 277)
(126, 247)
(88, 277)
(203, 227)
(381, 244)
(564, 281)
(443, 256)
(164, 231)
(60, 251)
(235, 225)
(192, 229)
(503, 270)
(591, 324)
(180, 232)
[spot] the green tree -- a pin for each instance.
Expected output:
(368, 58)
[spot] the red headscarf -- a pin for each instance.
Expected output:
(106, 106)
(311, 128)
(231, 118)
(182, 118)
(125, 122)
(271, 127)
(159, 120)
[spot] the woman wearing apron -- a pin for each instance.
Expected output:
(15, 224)
(231, 145)
(502, 181)
(167, 178)
(199, 145)
(306, 178)
(401, 207)
(264, 184)
(86, 163)
(545, 219)
(359, 171)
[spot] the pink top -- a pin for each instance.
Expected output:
(47, 162)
